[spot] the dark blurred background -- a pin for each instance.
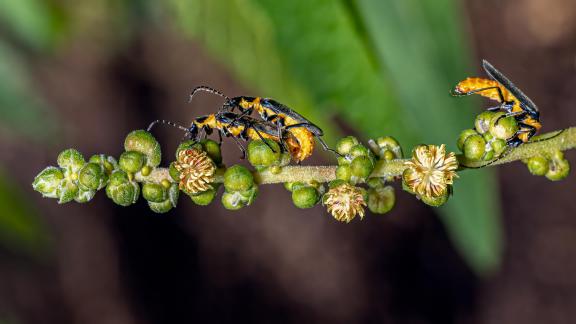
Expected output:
(84, 73)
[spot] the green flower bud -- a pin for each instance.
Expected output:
(315, 184)
(388, 155)
(166, 183)
(84, 195)
(482, 122)
(336, 183)
(232, 201)
(386, 147)
(463, 136)
(361, 167)
(212, 148)
(305, 197)
(344, 172)
(131, 161)
(188, 144)
(47, 181)
(285, 159)
(406, 175)
(503, 128)
(154, 192)
(538, 165)
(160, 207)
(238, 178)
(375, 182)
(92, 176)
(174, 174)
(166, 204)
(173, 194)
(558, 169)
(359, 150)
(261, 156)
(145, 171)
(474, 147)
(345, 144)
(436, 201)
(143, 142)
(250, 195)
(288, 186)
(204, 198)
(297, 185)
(108, 162)
(342, 160)
(66, 191)
(557, 155)
(121, 190)
(488, 137)
(488, 155)
(498, 145)
(70, 161)
(381, 200)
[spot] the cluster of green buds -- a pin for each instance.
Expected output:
(74, 178)
(240, 188)
(555, 167)
(345, 198)
(356, 161)
(141, 156)
(487, 140)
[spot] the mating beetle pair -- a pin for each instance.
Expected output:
(278, 122)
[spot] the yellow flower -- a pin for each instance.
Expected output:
(345, 201)
(430, 171)
(196, 171)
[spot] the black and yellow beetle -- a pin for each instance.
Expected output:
(274, 112)
(243, 127)
(511, 99)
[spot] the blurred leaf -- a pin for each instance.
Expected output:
(240, 34)
(321, 46)
(421, 48)
(36, 23)
(313, 61)
(20, 230)
(19, 108)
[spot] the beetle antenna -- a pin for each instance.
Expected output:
(207, 89)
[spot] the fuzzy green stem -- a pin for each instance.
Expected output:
(545, 144)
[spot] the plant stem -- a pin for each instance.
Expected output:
(545, 144)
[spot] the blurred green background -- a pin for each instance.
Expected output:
(83, 73)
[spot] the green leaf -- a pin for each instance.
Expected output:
(35, 23)
(20, 110)
(20, 229)
(240, 34)
(421, 48)
(290, 59)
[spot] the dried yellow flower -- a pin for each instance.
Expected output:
(196, 170)
(430, 170)
(345, 201)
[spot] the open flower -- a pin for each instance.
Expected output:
(345, 201)
(430, 171)
(196, 170)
